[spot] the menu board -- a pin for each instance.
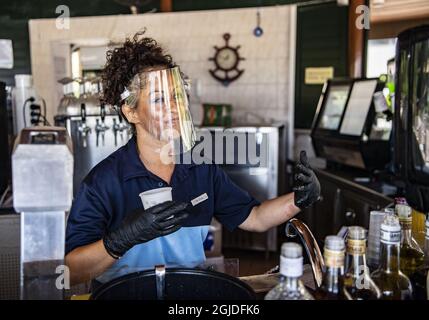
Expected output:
(336, 99)
(358, 107)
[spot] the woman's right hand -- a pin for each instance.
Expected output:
(144, 225)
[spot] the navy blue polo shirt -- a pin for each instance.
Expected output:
(111, 191)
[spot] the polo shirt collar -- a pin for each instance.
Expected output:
(133, 167)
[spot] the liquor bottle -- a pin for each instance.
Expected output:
(332, 287)
(412, 256)
(358, 284)
(291, 268)
(420, 278)
(394, 285)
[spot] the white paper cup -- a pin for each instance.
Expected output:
(153, 197)
(373, 251)
(375, 220)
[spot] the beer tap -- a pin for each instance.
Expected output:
(116, 128)
(98, 129)
(83, 128)
(122, 126)
(101, 128)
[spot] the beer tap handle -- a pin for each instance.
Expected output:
(83, 112)
(84, 129)
(102, 111)
(97, 130)
(115, 131)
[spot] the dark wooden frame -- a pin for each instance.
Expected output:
(226, 80)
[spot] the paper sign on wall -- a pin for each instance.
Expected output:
(318, 75)
(6, 54)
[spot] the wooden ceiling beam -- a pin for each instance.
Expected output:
(166, 5)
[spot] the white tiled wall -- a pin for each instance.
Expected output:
(265, 88)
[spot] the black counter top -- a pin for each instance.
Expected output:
(361, 180)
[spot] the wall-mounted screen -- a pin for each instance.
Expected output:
(336, 99)
(358, 107)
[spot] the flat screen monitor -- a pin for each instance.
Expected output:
(358, 107)
(335, 102)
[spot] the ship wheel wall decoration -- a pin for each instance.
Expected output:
(226, 60)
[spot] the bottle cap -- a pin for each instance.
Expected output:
(400, 200)
(334, 243)
(334, 252)
(357, 233)
(404, 211)
(291, 250)
(391, 223)
(291, 260)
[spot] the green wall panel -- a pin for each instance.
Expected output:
(322, 41)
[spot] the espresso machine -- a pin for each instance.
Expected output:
(96, 129)
(42, 176)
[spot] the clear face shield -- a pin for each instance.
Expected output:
(162, 97)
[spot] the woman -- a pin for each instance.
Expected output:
(109, 233)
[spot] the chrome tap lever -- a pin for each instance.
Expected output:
(101, 128)
(83, 128)
(102, 111)
(123, 127)
(98, 129)
(116, 128)
(297, 227)
(104, 128)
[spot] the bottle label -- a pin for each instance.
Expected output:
(291, 267)
(390, 237)
(406, 223)
(356, 247)
(334, 259)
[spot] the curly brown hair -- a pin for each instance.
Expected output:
(123, 63)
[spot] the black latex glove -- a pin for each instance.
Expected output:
(143, 225)
(306, 185)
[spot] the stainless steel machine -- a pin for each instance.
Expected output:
(42, 176)
(95, 128)
(265, 179)
(4, 141)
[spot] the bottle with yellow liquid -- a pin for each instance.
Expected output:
(421, 276)
(412, 256)
(394, 285)
(358, 284)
